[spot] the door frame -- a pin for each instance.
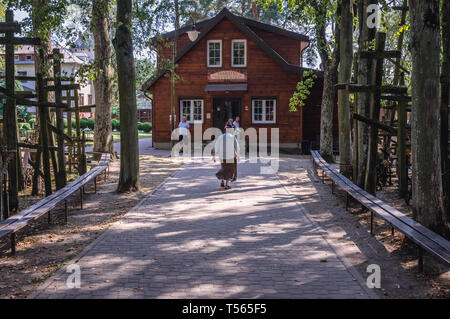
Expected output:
(225, 97)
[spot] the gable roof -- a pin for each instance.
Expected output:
(243, 25)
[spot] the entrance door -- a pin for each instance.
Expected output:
(224, 109)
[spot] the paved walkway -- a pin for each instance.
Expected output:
(190, 240)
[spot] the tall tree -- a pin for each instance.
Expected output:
(364, 75)
(445, 104)
(103, 141)
(322, 14)
(330, 57)
(129, 146)
(345, 70)
(427, 196)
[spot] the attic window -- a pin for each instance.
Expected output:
(214, 53)
(238, 53)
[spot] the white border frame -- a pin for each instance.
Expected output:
(207, 53)
(192, 110)
(245, 53)
(264, 111)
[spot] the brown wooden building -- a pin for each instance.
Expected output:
(236, 67)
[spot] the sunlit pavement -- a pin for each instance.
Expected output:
(188, 239)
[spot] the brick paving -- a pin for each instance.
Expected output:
(188, 239)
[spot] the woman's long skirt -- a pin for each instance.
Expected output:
(227, 170)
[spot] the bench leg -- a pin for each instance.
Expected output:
(13, 244)
(105, 175)
(371, 223)
(332, 187)
(81, 197)
(392, 231)
(65, 211)
(346, 201)
(48, 218)
(323, 176)
(95, 184)
(420, 265)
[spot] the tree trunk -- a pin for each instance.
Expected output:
(364, 75)
(129, 146)
(330, 78)
(326, 113)
(345, 68)
(103, 140)
(41, 68)
(255, 11)
(428, 205)
(445, 104)
(10, 136)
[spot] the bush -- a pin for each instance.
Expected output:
(91, 123)
(139, 126)
(147, 127)
(24, 127)
(32, 121)
(65, 123)
(115, 124)
(83, 123)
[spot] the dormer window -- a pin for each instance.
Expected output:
(239, 53)
(214, 53)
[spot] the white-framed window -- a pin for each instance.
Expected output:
(192, 109)
(238, 53)
(264, 110)
(214, 56)
(16, 58)
(28, 57)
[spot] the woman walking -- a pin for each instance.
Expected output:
(227, 148)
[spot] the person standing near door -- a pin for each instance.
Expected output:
(236, 123)
(183, 128)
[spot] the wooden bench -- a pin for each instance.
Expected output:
(11, 225)
(419, 234)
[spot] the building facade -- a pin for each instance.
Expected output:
(236, 67)
(72, 61)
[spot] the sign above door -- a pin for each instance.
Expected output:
(227, 76)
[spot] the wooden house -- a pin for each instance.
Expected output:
(235, 67)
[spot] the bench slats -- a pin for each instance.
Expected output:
(412, 229)
(21, 219)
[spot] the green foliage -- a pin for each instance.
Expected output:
(24, 126)
(147, 127)
(32, 121)
(83, 123)
(115, 123)
(91, 122)
(139, 126)
(303, 91)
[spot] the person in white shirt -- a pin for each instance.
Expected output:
(227, 148)
(183, 128)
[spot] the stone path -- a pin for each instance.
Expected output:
(190, 240)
